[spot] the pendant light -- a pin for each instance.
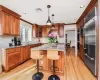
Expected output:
(53, 21)
(48, 21)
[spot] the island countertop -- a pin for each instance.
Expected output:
(59, 47)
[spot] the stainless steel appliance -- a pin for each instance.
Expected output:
(90, 40)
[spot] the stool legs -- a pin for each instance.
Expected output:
(38, 75)
(53, 77)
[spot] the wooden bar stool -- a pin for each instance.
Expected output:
(36, 54)
(53, 55)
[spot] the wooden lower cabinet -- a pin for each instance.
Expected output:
(25, 53)
(16, 56)
(81, 52)
(13, 58)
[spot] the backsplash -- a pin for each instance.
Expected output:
(5, 40)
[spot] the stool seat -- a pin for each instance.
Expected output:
(52, 54)
(36, 54)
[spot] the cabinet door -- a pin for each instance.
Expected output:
(6, 24)
(61, 30)
(15, 26)
(40, 32)
(44, 32)
(27, 54)
(13, 59)
(35, 30)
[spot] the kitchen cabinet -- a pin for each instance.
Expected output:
(15, 26)
(25, 53)
(45, 31)
(16, 56)
(81, 52)
(40, 31)
(9, 21)
(13, 58)
(61, 30)
(35, 30)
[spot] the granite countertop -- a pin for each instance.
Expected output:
(7, 47)
(59, 47)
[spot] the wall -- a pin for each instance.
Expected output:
(71, 27)
(70, 37)
(5, 40)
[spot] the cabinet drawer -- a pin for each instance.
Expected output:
(12, 50)
(13, 60)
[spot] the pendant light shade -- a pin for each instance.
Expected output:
(48, 21)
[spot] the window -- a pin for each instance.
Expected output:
(25, 33)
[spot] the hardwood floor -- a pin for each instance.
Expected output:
(74, 69)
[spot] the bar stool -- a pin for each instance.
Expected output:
(36, 54)
(53, 55)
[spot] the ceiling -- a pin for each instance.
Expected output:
(66, 11)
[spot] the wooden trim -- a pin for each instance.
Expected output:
(97, 32)
(70, 24)
(26, 21)
(93, 2)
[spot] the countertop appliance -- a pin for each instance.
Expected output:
(90, 40)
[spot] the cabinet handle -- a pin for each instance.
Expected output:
(89, 57)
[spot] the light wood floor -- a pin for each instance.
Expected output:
(74, 69)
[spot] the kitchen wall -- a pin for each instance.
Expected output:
(70, 37)
(5, 40)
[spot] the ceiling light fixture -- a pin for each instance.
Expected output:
(48, 21)
(53, 21)
(82, 6)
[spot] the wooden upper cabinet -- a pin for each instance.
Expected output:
(35, 30)
(61, 30)
(6, 26)
(40, 31)
(9, 22)
(15, 26)
(45, 31)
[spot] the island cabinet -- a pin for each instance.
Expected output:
(13, 58)
(9, 21)
(47, 63)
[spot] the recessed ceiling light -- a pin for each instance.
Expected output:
(82, 6)
(24, 12)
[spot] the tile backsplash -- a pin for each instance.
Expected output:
(5, 40)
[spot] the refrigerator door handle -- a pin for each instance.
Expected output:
(89, 57)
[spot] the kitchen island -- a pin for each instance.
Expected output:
(47, 63)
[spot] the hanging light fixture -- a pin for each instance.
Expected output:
(53, 21)
(48, 21)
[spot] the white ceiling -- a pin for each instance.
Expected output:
(66, 11)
